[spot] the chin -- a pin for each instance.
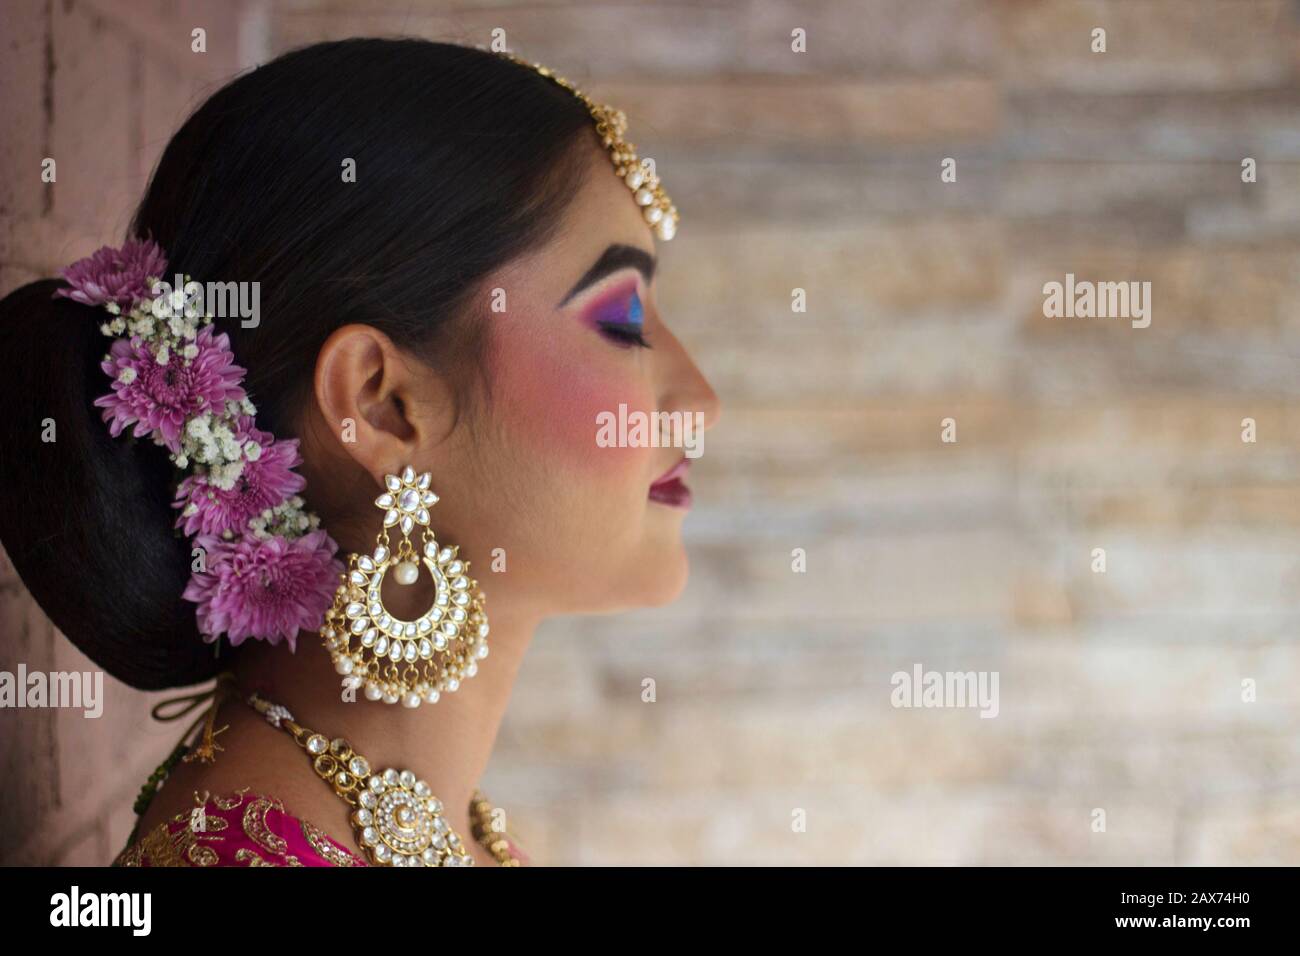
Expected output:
(668, 581)
(658, 581)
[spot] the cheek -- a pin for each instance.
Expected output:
(556, 400)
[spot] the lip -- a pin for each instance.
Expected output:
(669, 489)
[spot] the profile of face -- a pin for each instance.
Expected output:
(545, 508)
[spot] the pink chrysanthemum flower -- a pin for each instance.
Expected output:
(120, 276)
(267, 480)
(161, 398)
(267, 588)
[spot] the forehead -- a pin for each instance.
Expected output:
(605, 203)
(602, 212)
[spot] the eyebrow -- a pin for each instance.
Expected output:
(614, 258)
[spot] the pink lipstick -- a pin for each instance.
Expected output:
(669, 489)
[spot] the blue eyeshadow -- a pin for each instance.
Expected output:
(622, 311)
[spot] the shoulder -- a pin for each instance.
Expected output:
(240, 828)
(265, 792)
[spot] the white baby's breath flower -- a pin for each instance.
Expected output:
(226, 440)
(163, 355)
(224, 476)
(252, 450)
(127, 375)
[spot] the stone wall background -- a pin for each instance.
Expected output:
(1120, 691)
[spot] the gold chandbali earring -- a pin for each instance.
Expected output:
(395, 659)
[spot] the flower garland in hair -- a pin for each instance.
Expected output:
(269, 570)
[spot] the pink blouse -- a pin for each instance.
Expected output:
(238, 829)
(242, 829)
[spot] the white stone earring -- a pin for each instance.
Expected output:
(398, 660)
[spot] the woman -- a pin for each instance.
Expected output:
(452, 254)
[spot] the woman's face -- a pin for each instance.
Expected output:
(584, 516)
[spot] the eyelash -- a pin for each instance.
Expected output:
(625, 333)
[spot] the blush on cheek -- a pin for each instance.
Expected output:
(552, 406)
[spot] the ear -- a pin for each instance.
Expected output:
(382, 405)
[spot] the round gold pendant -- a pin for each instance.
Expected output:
(395, 815)
(400, 823)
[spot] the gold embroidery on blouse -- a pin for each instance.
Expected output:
(159, 847)
(129, 856)
(252, 857)
(189, 847)
(226, 803)
(327, 848)
(255, 826)
(201, 855)
(193, 843)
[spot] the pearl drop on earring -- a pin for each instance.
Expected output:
(406, 573)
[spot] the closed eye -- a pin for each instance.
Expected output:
(626, 334)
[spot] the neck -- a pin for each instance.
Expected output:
(446, 744)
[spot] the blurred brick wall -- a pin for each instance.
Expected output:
(100, 86)
(1119, 691)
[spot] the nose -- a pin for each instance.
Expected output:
(683, 385)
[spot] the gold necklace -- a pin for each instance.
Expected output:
(482, 816)
(395, 817)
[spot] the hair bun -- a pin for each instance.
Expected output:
(87, 518)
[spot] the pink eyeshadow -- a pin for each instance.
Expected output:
(612, 306)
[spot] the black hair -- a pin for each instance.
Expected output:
(463, 161)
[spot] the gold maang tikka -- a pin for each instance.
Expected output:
(397, 660)
(611, 125)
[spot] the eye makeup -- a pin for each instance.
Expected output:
(620, 317)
